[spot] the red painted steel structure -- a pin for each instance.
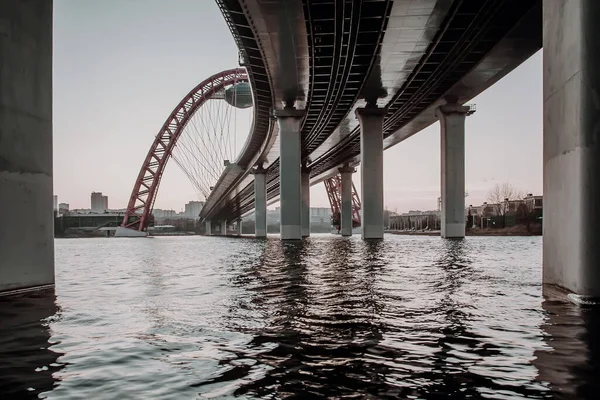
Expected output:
(333, 186)
(144, 191)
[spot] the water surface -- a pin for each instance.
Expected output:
(210, 317)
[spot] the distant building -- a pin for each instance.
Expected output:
(91, 221)
(415, 220)
(104, 203)
(81, 211)
(55, 198)
(165, 214)
(97, 202)
(510, 207)
(320, 214)
(273, 216)
(484, 210)
(63, 208)
(317, 215)
(160, 213)
(192, 209)
(505, 214)
(534, 202)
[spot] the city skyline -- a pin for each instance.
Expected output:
(109, 134)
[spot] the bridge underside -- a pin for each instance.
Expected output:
(407, 56)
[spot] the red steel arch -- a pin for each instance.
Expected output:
(144, 191)
(333, 186)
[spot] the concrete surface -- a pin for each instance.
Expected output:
(371, 162)
(305, 181)
(27, 228)
(346, 211)
(452, 128)
(572, 146)
(289, 171)
(260, 203)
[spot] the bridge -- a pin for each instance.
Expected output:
(398, 64)
(334, 84)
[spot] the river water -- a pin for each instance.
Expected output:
(212, 317)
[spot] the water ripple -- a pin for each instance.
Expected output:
(407, 317)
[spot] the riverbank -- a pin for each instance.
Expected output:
(518, 230)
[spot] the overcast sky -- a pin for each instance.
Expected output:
(120, 66)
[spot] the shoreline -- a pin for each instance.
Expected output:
(491, 232)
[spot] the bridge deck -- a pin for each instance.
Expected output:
(410, 55)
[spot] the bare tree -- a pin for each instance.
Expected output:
(500, 196)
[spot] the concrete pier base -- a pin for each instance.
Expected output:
(238, 227)
(260, 202)
(208, 228)
(290, 186)
(27, 228)
(571, 255)
(346, 211)
(452, 127)
(371, 162)
(223, 230)
(127, 232)
(305, 181)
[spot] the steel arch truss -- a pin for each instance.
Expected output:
(145, 189)
(333, 186)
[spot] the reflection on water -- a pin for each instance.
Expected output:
(28, 364)
(407, 317)
(570, 361)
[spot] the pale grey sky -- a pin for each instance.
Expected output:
(120, 66)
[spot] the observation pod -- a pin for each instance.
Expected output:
(239, 95)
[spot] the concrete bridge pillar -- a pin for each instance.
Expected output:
(238, 227)
(371, 162)
(27, 228)
(260, 202)
(346, 211)
(223, 228)
(289, 120)
(208, 228)
(452, 125)
(572, 147)
(305, 180)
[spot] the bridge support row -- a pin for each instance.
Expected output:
(571, 156)
(208, 229)
(295, 179)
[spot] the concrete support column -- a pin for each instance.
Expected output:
(305, 182)
(572, 147)
(224, 228)
(452, 126)
(260, 202)
(208, 228)
(346, 211)
(27, 228)
(371, 162)
(290, 186)
(238, 228)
